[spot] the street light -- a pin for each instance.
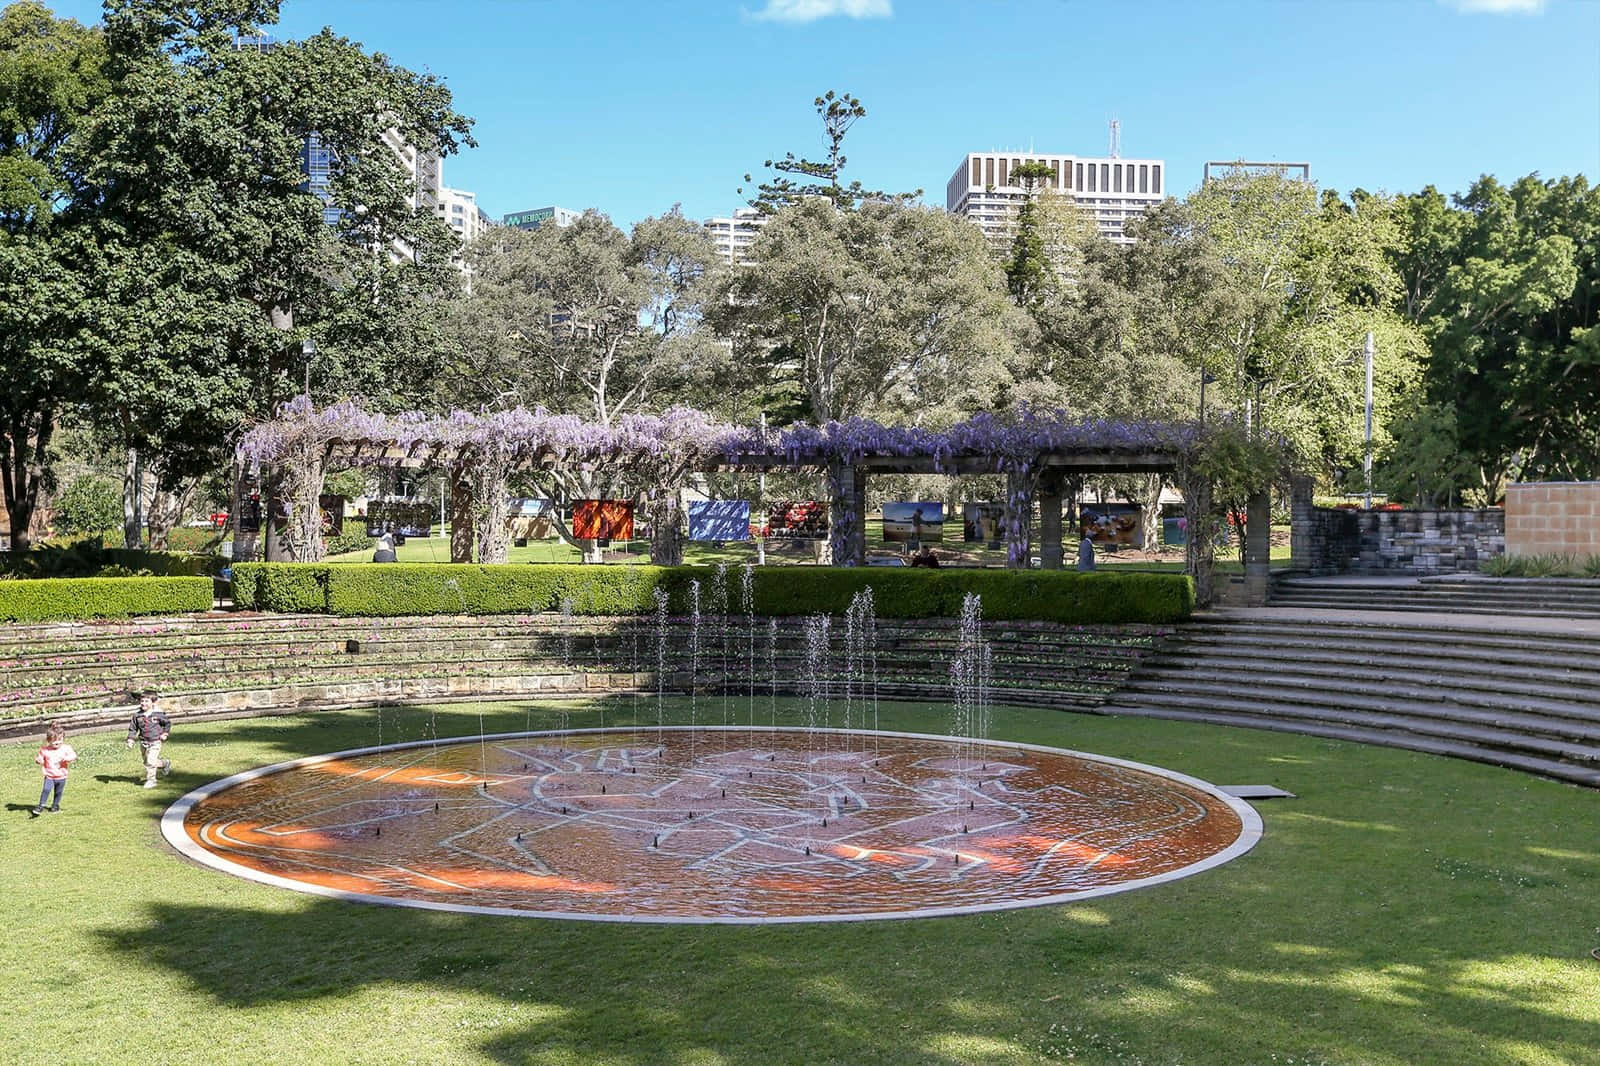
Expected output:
(308, 348)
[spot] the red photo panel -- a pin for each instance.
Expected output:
(602, 519)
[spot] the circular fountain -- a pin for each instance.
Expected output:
(711, 825)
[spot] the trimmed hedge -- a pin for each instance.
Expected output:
(88, 558)
(383, 589)
(50, 598)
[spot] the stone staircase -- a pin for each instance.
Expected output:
(1527, 699)
(1530, 597)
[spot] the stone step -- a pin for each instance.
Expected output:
(1562, 676)
(1444, 728)
(1545, 717)
(1339, 675)
(1550, 768)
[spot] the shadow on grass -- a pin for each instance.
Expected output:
(1031, 984)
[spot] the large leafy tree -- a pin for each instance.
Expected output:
(213, 258)
(880, 309)
(588, 320)
(1503, 280)
(51, 76)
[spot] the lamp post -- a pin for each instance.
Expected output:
(1366, 463)
(308, 349)
(1206, 378)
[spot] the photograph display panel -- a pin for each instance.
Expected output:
(916, 521)
(982, 523)
(602, 520)
(719, 520)
(798, 520)
(1111, 523)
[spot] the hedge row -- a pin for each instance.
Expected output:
(380, 589)
(50, 598)
(88, 558)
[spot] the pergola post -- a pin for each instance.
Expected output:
(1050, 554)
(847, 534)
(460, 514)
(1019, 519)
(1301, 522)
(1257, 547)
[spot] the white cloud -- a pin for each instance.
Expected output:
(1499, 7)
(811, 10)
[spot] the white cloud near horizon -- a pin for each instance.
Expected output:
(811, 10)
(1499, 7)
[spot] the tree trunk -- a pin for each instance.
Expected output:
(666, 528)
(1018, 518)
(165, 511)
(489, 477)
(1150, 511)
(23, 473)
(460, 515)
(1199, 515)
(132, 499)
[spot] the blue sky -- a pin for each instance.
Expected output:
(631, 106)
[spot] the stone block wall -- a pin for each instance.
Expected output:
(1335, 541)
(1553, 518)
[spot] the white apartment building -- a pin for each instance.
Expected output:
(1109, 190)
(460, 212)
(734, 236)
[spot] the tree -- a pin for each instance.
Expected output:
(881, 308)
(91, 503)
(825, 179)
(589, 321)
(1028, 270)
(214, 258)
(50, 77)
(1503, 283)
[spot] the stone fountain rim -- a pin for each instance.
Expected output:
(172, 829)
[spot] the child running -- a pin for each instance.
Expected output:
(56, 756)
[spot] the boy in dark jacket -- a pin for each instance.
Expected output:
(150, 729)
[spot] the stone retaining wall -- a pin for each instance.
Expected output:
(1336, 541)
(1553, 518)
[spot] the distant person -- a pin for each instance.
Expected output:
(150, 728)
(384, 552)
(1086, 554)
(55, 757)
(924, 556)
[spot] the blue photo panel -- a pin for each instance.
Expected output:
(719, 520)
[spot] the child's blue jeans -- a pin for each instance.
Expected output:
(57, 783)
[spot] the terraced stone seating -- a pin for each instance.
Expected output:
(227, 664)
(1533, 597)
(1526, 699)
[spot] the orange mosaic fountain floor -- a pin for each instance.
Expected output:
(711, 825)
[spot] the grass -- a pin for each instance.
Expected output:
(737, 553)
(1405, 909)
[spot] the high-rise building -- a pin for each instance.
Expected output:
(538, 216)
(1226, 168)
(460, 212)
(425, 169)
(1108, 190)
(734, 236)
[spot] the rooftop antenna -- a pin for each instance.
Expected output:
(1116, 138)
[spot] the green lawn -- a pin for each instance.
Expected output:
(735, 553)
(1405, 909)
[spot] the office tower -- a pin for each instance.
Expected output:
(538, 216)
(1109, 190)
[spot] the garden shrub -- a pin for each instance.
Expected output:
(353, 539)
(91, 558)
(385, 589)
(284, 587)
(46, 599)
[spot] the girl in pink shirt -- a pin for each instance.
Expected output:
(55, 757)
